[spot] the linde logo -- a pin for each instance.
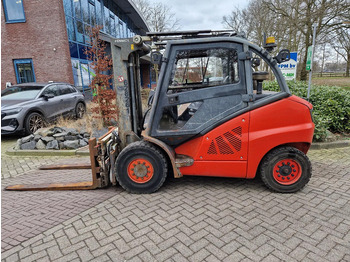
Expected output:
(289, 68)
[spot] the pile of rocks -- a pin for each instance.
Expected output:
(54, 138)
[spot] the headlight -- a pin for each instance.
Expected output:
(12, 111)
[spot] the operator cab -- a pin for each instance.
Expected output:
(206, 81)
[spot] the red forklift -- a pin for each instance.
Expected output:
(208, 116)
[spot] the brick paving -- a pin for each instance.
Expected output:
(189, 219)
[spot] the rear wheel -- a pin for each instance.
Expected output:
(285, 170)
(79, 110)
(33, 122)
(141, 168)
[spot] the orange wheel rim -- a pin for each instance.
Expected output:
(140, 171)
(287, 171)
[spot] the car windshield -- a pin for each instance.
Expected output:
(22, 95)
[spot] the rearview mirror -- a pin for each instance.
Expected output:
(283, 56)
(156, 57)
(255, 61)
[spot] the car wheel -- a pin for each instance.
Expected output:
(285, 170)
(80, 110)
(33, 122)
(141, 168)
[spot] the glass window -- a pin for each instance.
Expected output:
(82, 51)
(107, 23)
(70, 28)
(92, 14)
(121, 29)
(67, 4)
(85, 73)
(77, 9)
(76, 73)
(14, 11)
(85, 11)
(64, 89)
(24, 70)
(52, 89)
(204, 68)
(80, 32)
(99, 16)
(113, 30)
(87, 33)
(73, 50)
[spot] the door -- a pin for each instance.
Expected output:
(203, 86)
(68, 98)
(53, 106)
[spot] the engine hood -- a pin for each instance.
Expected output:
(8, 104)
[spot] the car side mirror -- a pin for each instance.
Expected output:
(48, 96)
(283, 56)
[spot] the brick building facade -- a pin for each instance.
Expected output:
(41, 38)
(49, 38)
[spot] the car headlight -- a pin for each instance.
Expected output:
(12, 111)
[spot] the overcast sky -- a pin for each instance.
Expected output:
(202, 14)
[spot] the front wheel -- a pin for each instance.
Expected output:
(33, 122)
(141, 168)
(285, 170)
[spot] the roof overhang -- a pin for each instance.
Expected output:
(130, 9)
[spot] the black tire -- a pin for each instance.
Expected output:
(33, 122)
(141, 168)
(285, 170)
(80, 110)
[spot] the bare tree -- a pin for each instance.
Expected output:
(159, 16)
(326, 14)
(342, 46)
(256, 19)
(290, 21)
(236, 21)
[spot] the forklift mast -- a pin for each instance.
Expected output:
(126, 55)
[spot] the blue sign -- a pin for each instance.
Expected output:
(289, 68)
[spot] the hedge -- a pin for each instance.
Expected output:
(331, 106)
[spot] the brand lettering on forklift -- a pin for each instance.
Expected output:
(126, 96)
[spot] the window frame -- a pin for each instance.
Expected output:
(12, 21)
(23, 61)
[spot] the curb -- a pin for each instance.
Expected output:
(330, 145)
(76, 152)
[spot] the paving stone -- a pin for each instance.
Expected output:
(189, 219)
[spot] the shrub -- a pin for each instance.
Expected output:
(104, 98)
(331, 106)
